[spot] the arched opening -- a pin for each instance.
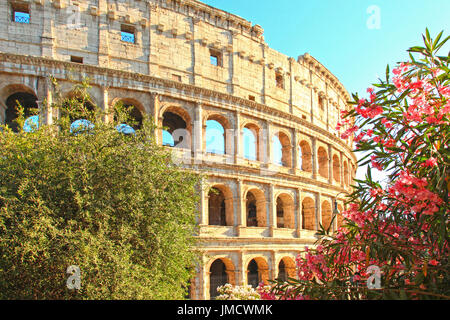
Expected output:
(336, 169)
(257, 272)
(285, 212)
(346, 178)
(286, 269)
(78, 106)
(308, 214)
(282, 273)
(282, 153)
(135, 112)
(29, 103)
(251, 142)
(340, 217)
(322, 156)
(221, 272)
(177, 132)
(305, 156)
(353, 174)
(215, 137)
(255, 208)
(220, 206)
(326, 214)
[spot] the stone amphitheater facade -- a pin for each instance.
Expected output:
(185, 64)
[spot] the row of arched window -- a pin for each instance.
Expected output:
(221, 212)
(177, 122)
(222, 271)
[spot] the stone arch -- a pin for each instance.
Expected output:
(305, 156)
(257, 271)
(286, 148)
(137, 110)
(322, 157)
(224, 123)
(221, 271)
(179, 126)
(10, 96)
(308, 214)
(285, 211)
(346, 173)
(220, 205)
(12, 88)
(86, 104)
(76, 94)
(255, 208)
(336, 168)
(222, 119)
(254, 142)
(340, 217)
(286, 268)
(327, 214)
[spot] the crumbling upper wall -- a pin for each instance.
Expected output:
(176, 39)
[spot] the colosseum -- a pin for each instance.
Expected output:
(260, 125)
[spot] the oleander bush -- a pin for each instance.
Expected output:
(395, 240)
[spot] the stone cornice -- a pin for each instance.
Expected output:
(157, 83)
(287, 178)
(311, 62)
(248, 240)
(198, 6)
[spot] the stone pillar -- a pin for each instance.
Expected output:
(242, 267)
(240, 205)
(237, 139)
(272, 264)
(265, 148)
(299, 218)
(234, 60)
(107, 109)
(318, 210)
(203, 221)
(45, 100)
(103, 30)
(291, 86)
(196, 48)
(314, 157)
(312, 95)
(204, 280)
(295, 153)
(197, 145)
(48, 36)
(265, 74)
(272, 202)
(330, 164)
(157, 120)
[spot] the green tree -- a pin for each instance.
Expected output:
(113, 204)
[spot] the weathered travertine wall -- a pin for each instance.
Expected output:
(168, 69)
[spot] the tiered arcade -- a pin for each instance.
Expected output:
(277, 164)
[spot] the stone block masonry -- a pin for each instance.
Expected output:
(188, 64)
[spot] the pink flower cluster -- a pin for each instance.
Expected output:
(412, 191)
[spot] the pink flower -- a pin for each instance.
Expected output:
(432, 162)
(433, 262)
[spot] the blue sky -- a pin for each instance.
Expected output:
(336, 32)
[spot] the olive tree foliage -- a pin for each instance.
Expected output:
(113, 204)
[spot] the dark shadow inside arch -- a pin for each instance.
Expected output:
(29, 103)
(218, 277)
(172, 122)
